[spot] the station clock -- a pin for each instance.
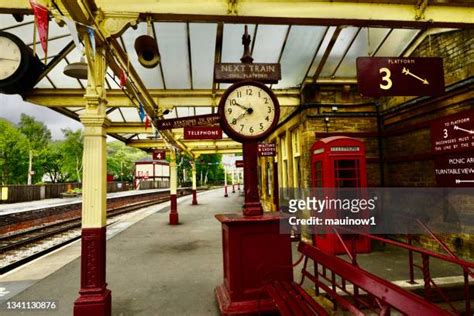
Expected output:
(19, 67)
(249, 111)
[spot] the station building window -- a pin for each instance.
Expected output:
(296, 153)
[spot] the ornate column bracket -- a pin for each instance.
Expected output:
(420, 8)
(116, 24)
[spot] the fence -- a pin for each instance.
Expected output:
(145, 185)
(25, 193)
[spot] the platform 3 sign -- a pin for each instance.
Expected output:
(203, 132)
(233, 72)
(198, 120)
(393, 76)
(452, 140)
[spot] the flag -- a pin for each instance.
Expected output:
(141, 113)
(123, 78)
(42, 23)
(71, 25)
(147, 122)
(90, 31)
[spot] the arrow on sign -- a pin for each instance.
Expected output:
(464, 181)
(407, 72)
(462, 129)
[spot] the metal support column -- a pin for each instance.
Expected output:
(193, 165)
(94, 297)
(174, 220)
(225, 182)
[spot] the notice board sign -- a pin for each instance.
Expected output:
(455, 170)
(452, 141)
(266, 149)
(233, 72)
(395, 76)
(453, 133)
(203, 132)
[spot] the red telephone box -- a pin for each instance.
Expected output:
(339, 162)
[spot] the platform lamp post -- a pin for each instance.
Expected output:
(94, 297)
(193, 171)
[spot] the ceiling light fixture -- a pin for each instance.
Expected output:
(77, 70)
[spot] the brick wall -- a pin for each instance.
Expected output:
(407, 142)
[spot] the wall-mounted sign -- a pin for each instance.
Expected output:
(453, 133)
(203, 132)
(159, 154)
(266, 149)
(455, 170)
(239, 163)
(198, 120)
(233, 72)
(394, 76)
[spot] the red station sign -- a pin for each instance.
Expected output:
(266, 149)
(452, 140)
(239, 163)
(159, 154)
(198, 120)
(203, 132)
(395, 76)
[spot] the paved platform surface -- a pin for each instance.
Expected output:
(157, 269)
(152, 268)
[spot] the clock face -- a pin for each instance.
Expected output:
(10, 57)
(250, 111)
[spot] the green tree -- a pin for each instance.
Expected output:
(51, 161)
(38, 136)
(184, 170)
(121, 160)
(13, 150)
(72, 148)
(209, 169)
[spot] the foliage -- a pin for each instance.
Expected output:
(121, 160)
(37, 136)
(210, 169)
(51, 160)
(72, 148)
(13, 150)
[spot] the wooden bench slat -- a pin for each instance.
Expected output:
(296, 301)
(314, 305)
(280, 302)
(292, 300)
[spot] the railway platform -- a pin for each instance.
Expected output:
(154, 268)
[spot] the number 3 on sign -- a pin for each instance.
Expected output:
(387, 82)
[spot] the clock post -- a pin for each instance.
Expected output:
(252, 205)
(251, 241)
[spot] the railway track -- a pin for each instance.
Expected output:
(38, 241)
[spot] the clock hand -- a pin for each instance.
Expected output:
(240, 105)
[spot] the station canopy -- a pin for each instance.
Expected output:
(316, 42)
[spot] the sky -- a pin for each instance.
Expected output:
(11, 107)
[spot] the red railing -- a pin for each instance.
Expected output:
(429, 283)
